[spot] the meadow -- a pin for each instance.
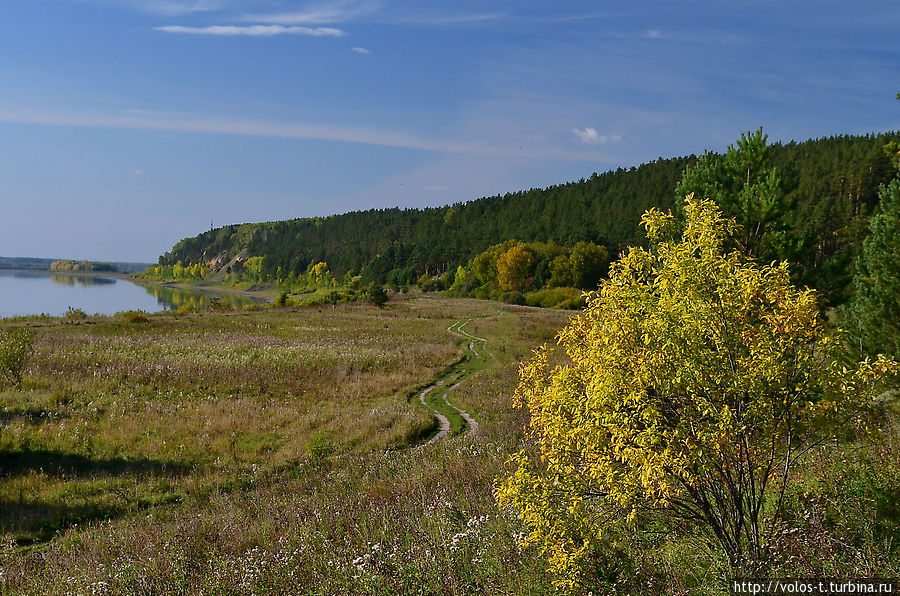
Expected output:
(265, 451)
(285, 451)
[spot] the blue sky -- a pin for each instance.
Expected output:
(126, 125)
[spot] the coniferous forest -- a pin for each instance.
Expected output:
(828, 187)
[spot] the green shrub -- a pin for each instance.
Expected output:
(482, 292)
(566, 298)
(75, 314)
(376, 295)
(135, 316)
(220, 304)
(572, 304)
(16, 350)
(428, 283)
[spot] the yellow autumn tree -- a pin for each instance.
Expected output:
(515, 267)
(320, 271)
(691, 383)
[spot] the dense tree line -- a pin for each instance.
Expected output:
(81, 266)
(176, 272)
(534, 273)
(829, 186)
(27, 263)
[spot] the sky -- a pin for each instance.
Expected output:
(126, 125)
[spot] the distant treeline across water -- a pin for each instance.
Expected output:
(40, 264)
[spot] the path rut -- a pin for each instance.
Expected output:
(478, 347)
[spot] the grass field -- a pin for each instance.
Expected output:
(283, 451)
(271, 451)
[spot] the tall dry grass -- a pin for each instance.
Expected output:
(263, 452)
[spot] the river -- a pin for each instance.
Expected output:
(37, 292)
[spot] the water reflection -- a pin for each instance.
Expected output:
(179, 298)
(85, 281)
(35, 292)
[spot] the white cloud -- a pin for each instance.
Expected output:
(252, 30)
(138, 173)
(292, 130)
(447, 19)
(170, 7)
(351, 10)
(565, 18)
(363, 51)
(333, 12)
(590, 136)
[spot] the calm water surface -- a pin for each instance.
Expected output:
(32, 293)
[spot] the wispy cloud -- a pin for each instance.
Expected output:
(320, 14)
(580, 17)
(155, 112)
(701, 37)
(359, 50)
(291, 130)
(590, 136)
(252, 30)
(372, 10)
(171, 8)
(442, 19)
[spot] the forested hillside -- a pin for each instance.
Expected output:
(830, 185)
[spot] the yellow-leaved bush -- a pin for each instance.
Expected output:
(694, 378)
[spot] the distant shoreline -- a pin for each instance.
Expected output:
(212, 289)
(43, 264)
(118, 274)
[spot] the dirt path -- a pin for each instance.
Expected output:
(458, 373)
(443, 421)
(457, 330)
(470, 422)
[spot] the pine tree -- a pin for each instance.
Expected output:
(874, 314)
(747, 187)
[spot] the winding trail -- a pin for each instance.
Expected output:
(457, 330)
(459, 373)
(443, 421)
(470, 422)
